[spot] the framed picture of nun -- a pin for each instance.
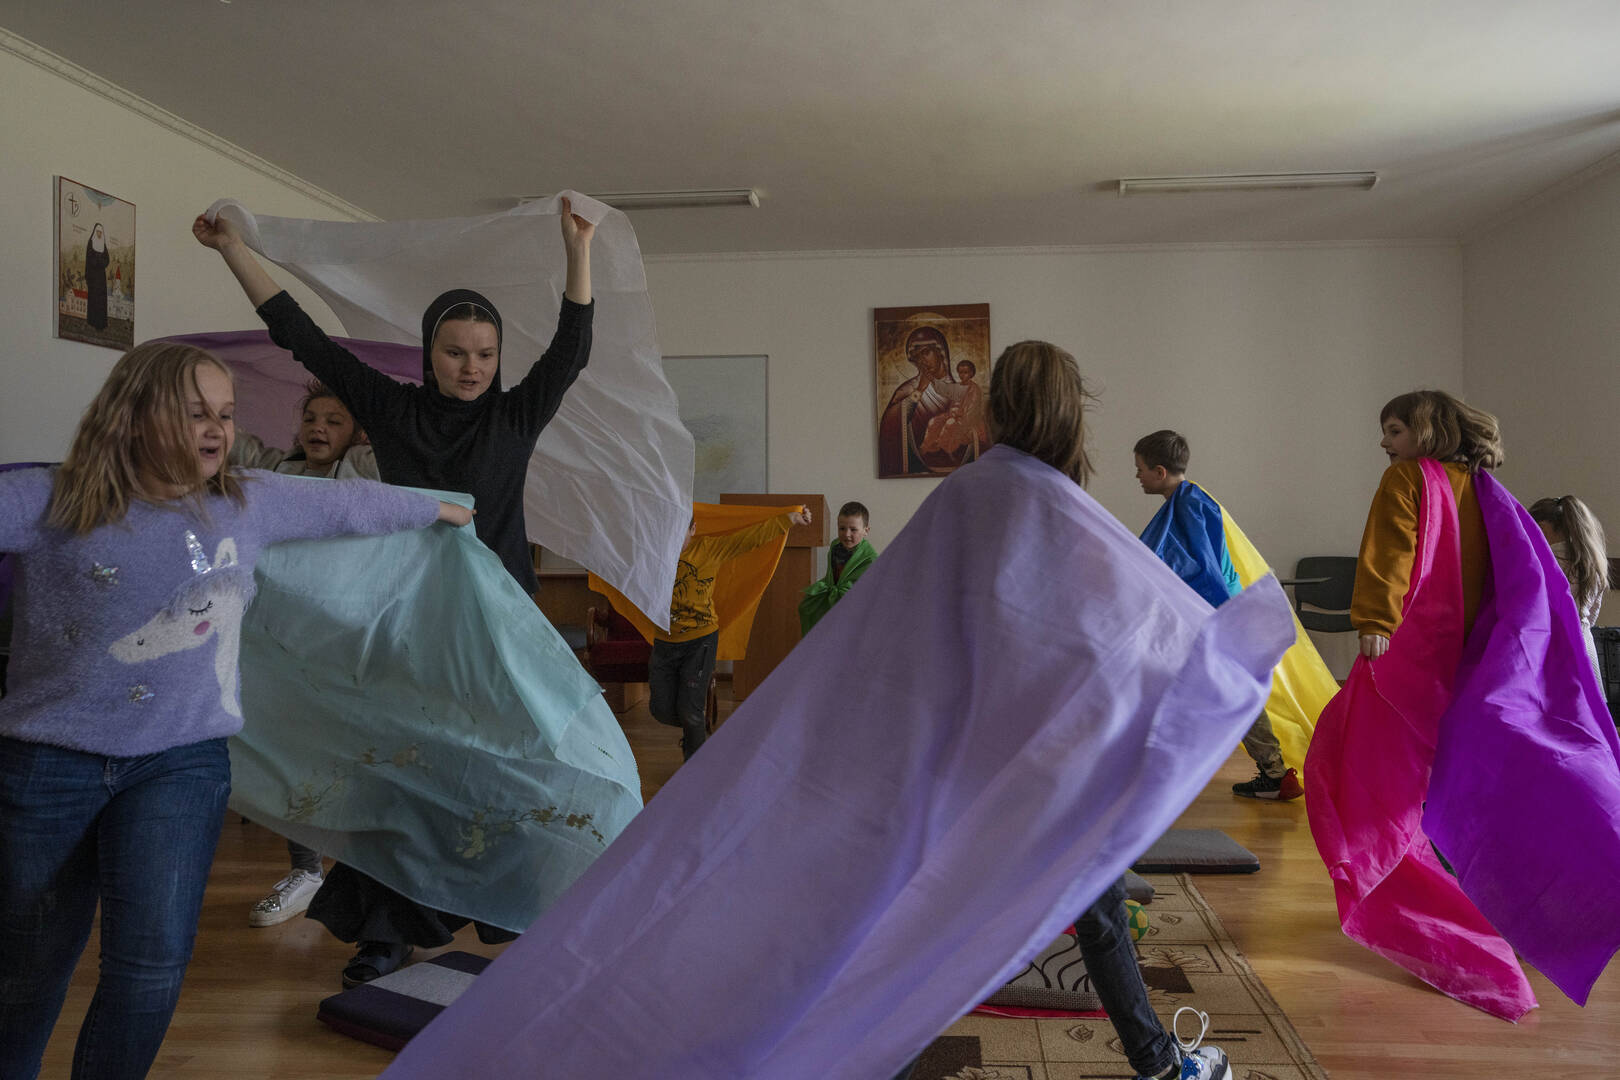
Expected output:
(933, 379)
(95, 266)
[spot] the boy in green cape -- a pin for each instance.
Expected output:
(846, 562)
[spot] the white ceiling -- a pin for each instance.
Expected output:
(888, 123)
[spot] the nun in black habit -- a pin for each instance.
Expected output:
(95, 277)
(459, 431)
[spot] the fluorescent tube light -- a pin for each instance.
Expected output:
(669, 200)
(1149, 185)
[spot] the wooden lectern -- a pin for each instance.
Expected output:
(776, 623)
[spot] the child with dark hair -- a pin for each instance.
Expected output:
(1197, 539)
(847, 560)
(459, 431)
(328, 444)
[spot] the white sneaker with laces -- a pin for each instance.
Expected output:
(289, 897)
(1198, 1062)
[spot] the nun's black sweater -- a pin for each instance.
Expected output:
(425, 439)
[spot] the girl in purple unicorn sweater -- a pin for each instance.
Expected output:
(134, 564)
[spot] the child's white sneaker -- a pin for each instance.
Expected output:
(1198, 1062)
(290, 896)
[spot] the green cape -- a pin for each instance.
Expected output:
(820, 597)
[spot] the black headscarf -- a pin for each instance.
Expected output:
(430, 324)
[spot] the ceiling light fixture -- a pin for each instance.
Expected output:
(669, 200)
(1152, 185)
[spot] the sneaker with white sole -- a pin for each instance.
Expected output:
(290, 896)
(1199, 1062)
(1281, 788)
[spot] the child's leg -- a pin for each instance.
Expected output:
(290, 896)
(49, 799)
(304, 858)
(692, 693)
(156, 842)
(1262, 745)
(1105, 943)
(663, 676)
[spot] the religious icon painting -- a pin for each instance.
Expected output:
(933, 384)
(95, 266)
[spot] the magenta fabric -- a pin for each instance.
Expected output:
(1506, 738)
(1525, 796)
(1367, 775)
(270, 384)
(958, 759)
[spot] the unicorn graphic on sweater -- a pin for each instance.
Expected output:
(207, 608)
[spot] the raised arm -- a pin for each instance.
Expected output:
(223, 236)
(730, 545)
(540, 393)
(369, 394)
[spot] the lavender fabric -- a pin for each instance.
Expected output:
(959, 758)
(270, 384)
(1524, 799)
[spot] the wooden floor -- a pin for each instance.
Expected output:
(248, 1009)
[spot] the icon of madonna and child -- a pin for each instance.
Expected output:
(934, 420)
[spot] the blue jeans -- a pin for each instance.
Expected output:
(136, 834)
(1104, 932)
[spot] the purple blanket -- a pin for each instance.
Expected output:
(1015, 702)
(1524, 799)
(270, 383)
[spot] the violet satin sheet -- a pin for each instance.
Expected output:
(953, 764)
(1525, 796)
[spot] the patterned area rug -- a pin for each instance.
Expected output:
(1187, 959)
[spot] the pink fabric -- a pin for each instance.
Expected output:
(1367, 775)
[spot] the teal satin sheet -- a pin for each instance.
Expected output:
(409, 711)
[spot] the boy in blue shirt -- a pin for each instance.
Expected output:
(1189, 534)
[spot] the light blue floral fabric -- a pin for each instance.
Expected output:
(409, 711)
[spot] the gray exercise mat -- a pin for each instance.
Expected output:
(1196, 851)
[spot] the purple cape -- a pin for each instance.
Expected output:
(955, 762)
(1524, 799)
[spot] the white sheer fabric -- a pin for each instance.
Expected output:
(610, 482)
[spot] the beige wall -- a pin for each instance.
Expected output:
(56, 123)
(1542, 339)
(1272, 360)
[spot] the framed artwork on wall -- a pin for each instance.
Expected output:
(933, 378)
(95, 266)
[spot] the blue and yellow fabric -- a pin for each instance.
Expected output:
(1197, 539)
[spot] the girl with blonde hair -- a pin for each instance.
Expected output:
(134, 564)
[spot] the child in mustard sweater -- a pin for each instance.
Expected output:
(682, 662)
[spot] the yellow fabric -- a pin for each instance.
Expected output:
(1301, 685)
(739, 547)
